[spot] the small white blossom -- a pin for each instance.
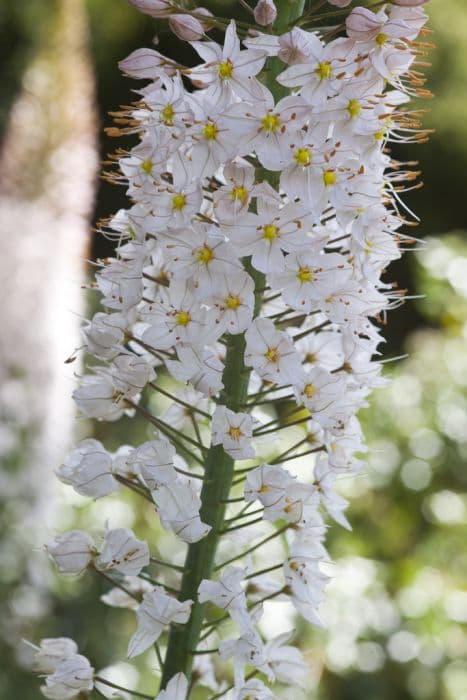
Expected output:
(52, 651)
(122, 552)
(72, 552)
(72, 676)
(234, 432)
(157, 611)
(88, 468)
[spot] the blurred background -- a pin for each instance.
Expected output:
(397, 608)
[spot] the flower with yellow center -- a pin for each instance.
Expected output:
(204, 255)
(271, 123)
(324, 70)
(167, 115)
(381, 39)
(272, 355)
(354, 108)
(235, 433)
(329, 178)
(303, 156)
(304, 274)
(146, 165)
(309, 390)
(270, 232)
(225, 70)
(239, 193)
(178, 202)
(183, 318)
(210, 131)
(232, 302)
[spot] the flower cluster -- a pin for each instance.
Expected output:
(264, 212)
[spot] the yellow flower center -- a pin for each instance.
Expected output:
(232, 302)
(324, 71)
(329, 178)
(271, 123)
(354, 108)
(167, 115)
(210, 131)
(204, 255)
(381, 39)
(303, 156)
(271, 355)
(379, 136)
(240, 193)
(235, 433)
(270, 232)
(183, 318)
(178, 202)
(146, 165)
(264, 489)
(305, 274)
(309, 391)
(225, 70)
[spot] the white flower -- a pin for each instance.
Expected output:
(52, 651)
(199, 366)
(104, 334)
(266, 128)
(178, 506)
(228, 70)
(234, 432)
(153, 461)
(227, 593)
(123, 552)
(271, 353)
(306, 585)
(267, 234)
(157, 611)
(179, 416)
(96, 397)
(72, 552)
(321, 74)
(285, 662)
(72, 676)
(88, 468)
(233, 299)
(177, 319)
(130, 374)
(176, 689)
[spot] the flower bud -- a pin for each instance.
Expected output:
(186, 27)
(51, 652)
(265, 12)
(155, 8)
(339, 3)
(145, 63)
(71, 552)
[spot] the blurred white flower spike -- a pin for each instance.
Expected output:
(246, 295)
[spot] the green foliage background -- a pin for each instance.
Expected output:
(409, 510)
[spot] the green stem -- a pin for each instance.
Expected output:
(218, 475)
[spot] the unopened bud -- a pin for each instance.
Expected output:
(186, 27)
(339, 3)
(145, 63)
(155, 8)
(265, 12)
